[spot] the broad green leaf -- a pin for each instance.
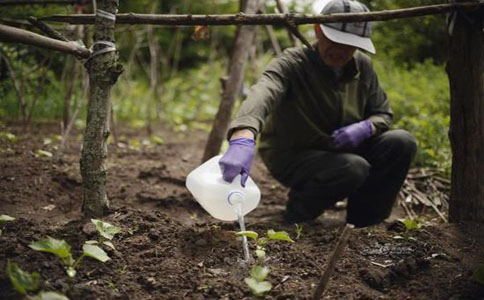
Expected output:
(250, 234)
(105, 229)
(411, 224)
(58, 247)
(95, 252)
(478, 275)
(258, 288)
(22, 281)
(279, 236)
(157, 140)
(49, 296)
(109, 244)
(259, 273)
(134, 144)
(43, 153)
(5, 218)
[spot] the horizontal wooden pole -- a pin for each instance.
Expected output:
(41, 2)
(269, 19)
(12, 34)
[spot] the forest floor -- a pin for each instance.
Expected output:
(170, 248)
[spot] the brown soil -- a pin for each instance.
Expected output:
(170, 248)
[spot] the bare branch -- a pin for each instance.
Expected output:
(274, 19)
(47, 30)
(31, 2)
(26, 37)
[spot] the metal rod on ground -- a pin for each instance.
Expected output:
(338, 251)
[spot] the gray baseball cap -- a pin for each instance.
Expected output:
(356, 34)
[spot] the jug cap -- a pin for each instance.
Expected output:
(235, 197)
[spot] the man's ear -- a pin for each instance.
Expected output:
(318, 31)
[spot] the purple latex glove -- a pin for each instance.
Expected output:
(238, 159)
(350, 136)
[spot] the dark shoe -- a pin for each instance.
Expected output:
(297, 213)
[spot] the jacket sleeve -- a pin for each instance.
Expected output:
(263, 96)
(377, 108)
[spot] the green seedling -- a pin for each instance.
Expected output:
(10, 137)
(256, 282)
(62, 250)
(299, 229)
(157, 140)
(41, 152)
(410, 225)
(106, 233)
(5, 218)
(25, 282)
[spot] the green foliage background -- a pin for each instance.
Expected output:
(410, 63)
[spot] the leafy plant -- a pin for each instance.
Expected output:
(10, 137)
(62, 249)
(106, 233)
(5, 218)
(256, 282)
(24, 282)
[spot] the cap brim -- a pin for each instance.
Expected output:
(348, 39)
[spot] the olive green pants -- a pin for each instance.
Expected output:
(370, 177)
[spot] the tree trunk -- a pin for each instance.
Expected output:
(238, 63)
(465, 69)
(104, 71)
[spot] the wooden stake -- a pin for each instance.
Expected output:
(338, 251)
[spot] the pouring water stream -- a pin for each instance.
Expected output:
(245, 246)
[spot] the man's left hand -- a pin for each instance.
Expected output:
(350, 136)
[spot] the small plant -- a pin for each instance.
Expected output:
(256, 282)
(24, 282)
(106, 233)
(62, 249)
(410, 225)
(5, 218)
(299, 229)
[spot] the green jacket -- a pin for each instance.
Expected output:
(299, 101)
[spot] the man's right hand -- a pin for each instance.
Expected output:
(238, 159)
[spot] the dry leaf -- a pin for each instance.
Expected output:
(200, 33)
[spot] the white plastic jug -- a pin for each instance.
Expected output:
(218, 197)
